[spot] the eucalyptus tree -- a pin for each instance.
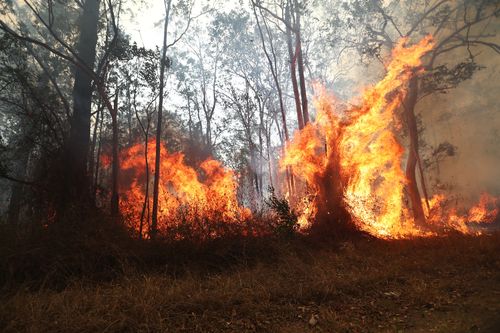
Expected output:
(80, 53)
(287, 16)
(177, 13)
(35, 112)
(372, 28)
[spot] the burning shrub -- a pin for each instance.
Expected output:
(199, 201)
(286, 222)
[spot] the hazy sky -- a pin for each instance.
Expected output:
(146, 25)
(142, 26)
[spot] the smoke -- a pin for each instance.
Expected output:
(467, 117)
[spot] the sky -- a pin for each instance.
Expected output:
(145, 25)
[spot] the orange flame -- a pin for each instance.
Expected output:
(369, 155)
(187, 198)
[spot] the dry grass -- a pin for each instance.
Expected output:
(435, 285)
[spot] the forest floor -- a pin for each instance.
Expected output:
(448, 284)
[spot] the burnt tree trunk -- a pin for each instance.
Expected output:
(332, 218)
(411, 164)
(15, 204)
(77, 148)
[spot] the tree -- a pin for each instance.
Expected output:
(291, 12)
(75, 179)
(163, 64)
(75, 182)
(372, 28)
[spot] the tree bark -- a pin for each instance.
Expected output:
(293, 64)
(92, 162)
(77, 148)
(115, 210)
(300, 65)
(411, 121)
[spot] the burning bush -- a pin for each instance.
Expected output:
(193, 202)
(285, 219)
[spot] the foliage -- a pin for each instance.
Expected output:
(440, 153)
(442, 78)
(286, 219)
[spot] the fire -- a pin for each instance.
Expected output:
(371, 154)
(347, 163)
(485, 211)
(354, 158)
(202, 200)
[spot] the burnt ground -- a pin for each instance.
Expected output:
(449, 284)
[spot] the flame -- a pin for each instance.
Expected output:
(199, 200)
(359, 149)
(371, 154)
(485, 211)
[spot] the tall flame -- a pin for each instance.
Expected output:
(360, 143)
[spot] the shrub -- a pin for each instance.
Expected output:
(285, 223)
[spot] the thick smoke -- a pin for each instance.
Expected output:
(468, 118)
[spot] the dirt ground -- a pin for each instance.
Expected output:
(429, 285)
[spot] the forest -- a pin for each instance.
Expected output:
(249, 166)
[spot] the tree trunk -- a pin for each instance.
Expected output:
(209, 134)
(145, 131)
(146, 191)
(261, 146)
(115, 210)
(97, 163)
(293, 65)
(274, 72)
(92, 162)
(300, 65)
(156, 183)
(15, 204)
(76, 182)
(411, 121)
(269, 159)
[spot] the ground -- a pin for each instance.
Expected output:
(449, 284)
